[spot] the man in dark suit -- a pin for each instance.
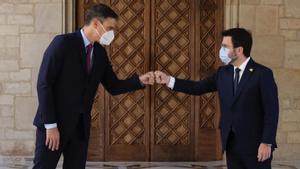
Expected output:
(248, 100)
(73, 66)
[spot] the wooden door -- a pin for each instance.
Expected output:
(181, 38)
(172, 124)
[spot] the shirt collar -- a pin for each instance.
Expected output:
(85, 39)
(243, 65)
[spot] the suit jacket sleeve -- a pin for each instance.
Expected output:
(116, 86)
(269, 93)
(197, 87)
(49, 70)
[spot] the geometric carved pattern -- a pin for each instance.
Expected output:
(168, 24)
(127, 119)
(126, 112)
(208, 35)
(172, 110)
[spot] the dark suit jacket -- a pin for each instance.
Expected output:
(66, 90)
(252, 114)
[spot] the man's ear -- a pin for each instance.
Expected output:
(94, 22)
(240, 50)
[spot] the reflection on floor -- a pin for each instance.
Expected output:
(26, 163)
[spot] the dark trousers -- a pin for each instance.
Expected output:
(74, 150)
(241, 160)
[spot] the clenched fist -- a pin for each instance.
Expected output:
(161, 78)
(147, 78)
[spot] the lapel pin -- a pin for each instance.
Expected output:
(251, 70)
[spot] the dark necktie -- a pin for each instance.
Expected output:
(88, 57)
(236, 79)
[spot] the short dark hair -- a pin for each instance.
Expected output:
(101, 12)
(240, 38)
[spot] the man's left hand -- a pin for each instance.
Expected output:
(264, 152)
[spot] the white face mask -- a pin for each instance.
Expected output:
(107, 37)
(224, 55)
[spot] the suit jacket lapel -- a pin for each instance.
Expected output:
(245, 78)
(82, 52)
(95, 60)
(229, 82)
(97, 65)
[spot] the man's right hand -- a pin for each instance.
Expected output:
(147, 78)
(161, 78)
(52, 139)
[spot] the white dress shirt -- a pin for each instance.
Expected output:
(242, 67)
(86, 43)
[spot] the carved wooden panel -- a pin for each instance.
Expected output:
(123, 116)
(172, 110)
(180, 37)
(127, 56)
(208, 59)
(209, 19)
(173, 53)
(127, 113)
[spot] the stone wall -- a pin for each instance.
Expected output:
(26, 29)
(275, 25)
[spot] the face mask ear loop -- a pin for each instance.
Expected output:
(103, 27)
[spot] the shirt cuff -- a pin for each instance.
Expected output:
(270, 145)
(171, 83)
(51, 126)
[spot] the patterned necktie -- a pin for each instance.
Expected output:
(88, 57)
(236, 79)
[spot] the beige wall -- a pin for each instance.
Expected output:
(27, 27)
(275, 25)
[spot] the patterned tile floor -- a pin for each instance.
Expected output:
(26, 163)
